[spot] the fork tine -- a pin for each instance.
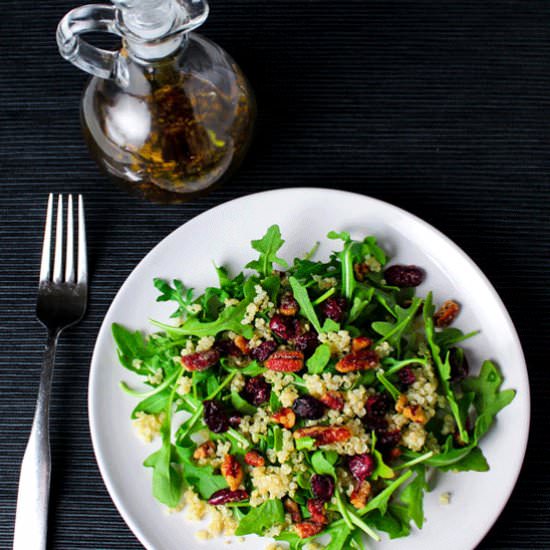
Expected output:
(82, 260)
(69, 255)
(46, 245)
(58, 258)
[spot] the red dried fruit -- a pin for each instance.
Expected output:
(361, 466)
(205, 450)
(223, 496)
(459, 364)
(377, 406)
(232, 470)
(288, 306)
(308, 407)
(446, 314)
(228, 348)
(215, 416)
(333, 400)
(306, 342)
(242, 343)
(285, 361)
(334, 308)
(285, 417)
(283, 327)
(252, 458)
(200, 360)
(360, 495)
(406, 376)
(316, 507)
(256, 390)
(293, 509)
(388, 439)
(364, 359)
(234, 420)
(264, 350)
(322, 487)
(324, 435)
(361, 342)
(404, 276)
(308, 529)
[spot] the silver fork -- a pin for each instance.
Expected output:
(61, 303)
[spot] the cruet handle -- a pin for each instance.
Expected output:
(96, 61)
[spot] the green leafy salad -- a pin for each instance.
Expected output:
(308, 401)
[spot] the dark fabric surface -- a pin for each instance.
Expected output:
(441, 108)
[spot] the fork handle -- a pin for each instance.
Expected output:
(31, 520)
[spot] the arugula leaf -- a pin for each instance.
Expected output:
(261, 518)
(413, 495)
(202, 478)
(323, 463)
(268, 247)
(233, 287)
(489, 400)
(361, 299)
(178, 293)
(306, 307)
(318, 361)
(230, 319)
(380, 501)
(392, 390)
(443, 366)
(338, 538)
(393, 332)
(346, 262)
(305, 444)
(450, 336)
(395, 521)
(154, 404)
(381, 468)
(131, 348)
(474, 461)
(242, 405)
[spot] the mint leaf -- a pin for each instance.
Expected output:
(319, 360)
(268, 247)
(261, 518)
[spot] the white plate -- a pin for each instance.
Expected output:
(223, 235)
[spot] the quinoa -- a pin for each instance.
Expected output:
(148, 425)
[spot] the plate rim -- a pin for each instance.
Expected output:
(100, 460)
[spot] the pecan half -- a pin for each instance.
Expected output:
(232, 471)
(308, 529)
(446, 314)
(285, 361)
(364, 359)
(242, 343)
(223, 496)
(333, 400)
(286, 417)
(360, 495)
(293, 509)
(324, 435)
(360, 271)
(360, 342)
(316, 507)
(205, 450)
(252, 458)
(200, 360)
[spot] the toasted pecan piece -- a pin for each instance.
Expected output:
(415, 413)
(285, 361)
(286, 417)
(232, 471)
(361, 493)
(364, 359)
(293, 509)
(360, 342)
(242, 344)
(308, 529)
(253, 458)
(333, 400)
(205, 450)
(316, 507)
(446, 314)
(324, 435)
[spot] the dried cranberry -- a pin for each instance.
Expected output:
(406, 376)
(264, 350)
(200, 360)
(234, 420)
(387, 439)
(378, 405)
(306, 342)
(215, 416)
(361, 466)
(285, 328)
(256, 390)
(404, 276)
(228, 348)
(322, 487)
(459, 364)
(334, 308)
(223, 496)
(308, 407)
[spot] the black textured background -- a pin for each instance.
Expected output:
(441, 108)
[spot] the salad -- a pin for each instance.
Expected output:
(308, 401)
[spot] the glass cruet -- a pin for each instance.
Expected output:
(168, 115)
